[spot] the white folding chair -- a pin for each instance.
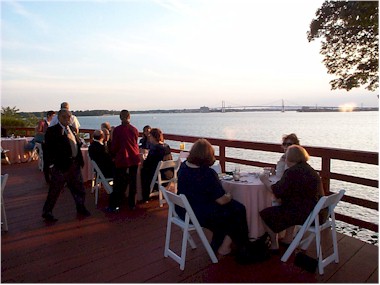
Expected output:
(189, 224)
(162, 165)
(217, 167)
(4, 155)
(33, 154)
(183, 155)
(100, 181)
(4, 221)
(315, 229)
(93, 175)
(38, 151)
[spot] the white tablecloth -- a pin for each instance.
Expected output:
(87, 168)
(16, 146)
(251, 192)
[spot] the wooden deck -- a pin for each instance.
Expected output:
(128, 247)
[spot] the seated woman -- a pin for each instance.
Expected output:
(299, 190)
(144, 141)
(107, 129)
(287, 140)
(158, 151)
(213, 207)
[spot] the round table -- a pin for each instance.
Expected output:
(251, 192)
(16, 149)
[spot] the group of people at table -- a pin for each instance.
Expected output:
(299, 188)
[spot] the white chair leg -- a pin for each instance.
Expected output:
(168, 235)
(184, 247)
(319, 250)
(160, 198)
(96, 194)
(305, 243)
(191, 241)
(334, 239)
(294, 244)
(4, 215)
(208, 247)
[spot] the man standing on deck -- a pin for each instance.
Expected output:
(65, 161)
(73, 119)
(125, 150)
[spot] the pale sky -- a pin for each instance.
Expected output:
(146, 54)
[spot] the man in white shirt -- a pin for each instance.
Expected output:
(73, 119)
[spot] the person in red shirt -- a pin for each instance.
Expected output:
(125, 151)
(40, 138)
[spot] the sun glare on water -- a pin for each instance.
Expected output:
(349, 107)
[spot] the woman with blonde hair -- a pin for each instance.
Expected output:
(299, 190)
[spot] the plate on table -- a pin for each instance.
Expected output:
(227, 177)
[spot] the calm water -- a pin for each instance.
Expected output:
(356, 131)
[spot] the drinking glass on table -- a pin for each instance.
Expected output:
(236, 173)
(268, 170)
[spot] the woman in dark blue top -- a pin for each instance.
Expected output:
(213, 207)
(144, 141)
(158, 151)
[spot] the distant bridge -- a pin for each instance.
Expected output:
(281, 106)
(278, 105)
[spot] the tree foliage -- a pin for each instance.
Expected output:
(350, 43)
(10, 117)
(8, 111)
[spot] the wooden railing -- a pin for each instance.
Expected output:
(325, 154)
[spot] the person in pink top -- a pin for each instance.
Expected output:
(125, 152)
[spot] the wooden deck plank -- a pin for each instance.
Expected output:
(128, 247)
(359, 267)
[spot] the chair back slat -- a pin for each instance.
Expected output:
(173, 198)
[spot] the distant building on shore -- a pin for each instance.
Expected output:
(204, 109)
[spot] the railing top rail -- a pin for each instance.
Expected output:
(368, 157)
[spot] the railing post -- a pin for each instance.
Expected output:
(326, 165)
(222, 157)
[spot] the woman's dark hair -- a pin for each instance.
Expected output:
(50, 113)
(201, 153)
(292, 137)
(157, 134)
